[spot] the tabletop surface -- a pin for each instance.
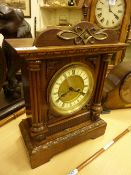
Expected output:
(115, 161)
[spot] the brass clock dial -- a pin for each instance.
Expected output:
(109, 13)
(71, 88)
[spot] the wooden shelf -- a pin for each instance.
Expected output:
(59, 7)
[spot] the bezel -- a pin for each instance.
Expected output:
(72, 109)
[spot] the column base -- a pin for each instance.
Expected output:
(41, 152)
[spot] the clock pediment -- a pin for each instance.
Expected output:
(81, 34)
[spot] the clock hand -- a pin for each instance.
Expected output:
(78, 90)
(62, 95)
(113, 12)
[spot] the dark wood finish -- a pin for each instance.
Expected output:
(117, 87)
(44, 133)
(123, 29)
(2, 68)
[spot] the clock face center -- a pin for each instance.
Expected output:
(71, 88)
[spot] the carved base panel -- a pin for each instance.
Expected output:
(42, 152)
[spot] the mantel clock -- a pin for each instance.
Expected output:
(112, 14)
(63, 76)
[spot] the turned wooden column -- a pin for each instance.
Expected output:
(96, 107)
(38, 125)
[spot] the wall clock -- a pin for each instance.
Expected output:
(63, 76)
(109, 13)
(113, 14)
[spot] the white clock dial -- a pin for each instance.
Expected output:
(109, 13)
(71, 89)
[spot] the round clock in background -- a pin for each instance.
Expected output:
(71, 88)
(112, 14)
(109, 13)
(117, 87)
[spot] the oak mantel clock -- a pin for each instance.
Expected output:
(63, 76)
(112, 14)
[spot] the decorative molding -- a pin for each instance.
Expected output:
(68, 136)
(83, 35)
(42, 53)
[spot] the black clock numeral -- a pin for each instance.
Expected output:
(117, 17)
(99, 9)
(99, 15)
(55, 93)
(113, 22)
(102, 20)
(73, 71)
(107, 22)
(119, 5)
(65, 76)
(63, 104)
(57, 83)
(82, 93)
(78, 100)
(57, 101)
(85, 85)
(120, 11)
(101, 2)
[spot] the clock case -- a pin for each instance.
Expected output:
(44, 134)
(123, 29)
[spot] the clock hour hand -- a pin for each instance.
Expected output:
(78, 90)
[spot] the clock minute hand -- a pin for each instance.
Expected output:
(62, 95)
(113, 12)
(65, 93)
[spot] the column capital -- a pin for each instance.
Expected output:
(34, 65)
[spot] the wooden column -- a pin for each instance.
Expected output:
(38, 126)
(96, 107)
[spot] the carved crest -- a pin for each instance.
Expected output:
(83, 35)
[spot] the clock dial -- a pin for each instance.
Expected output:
(109, 13)
(71, 89)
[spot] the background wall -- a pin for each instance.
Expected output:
(34, 13)
(46, 17)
